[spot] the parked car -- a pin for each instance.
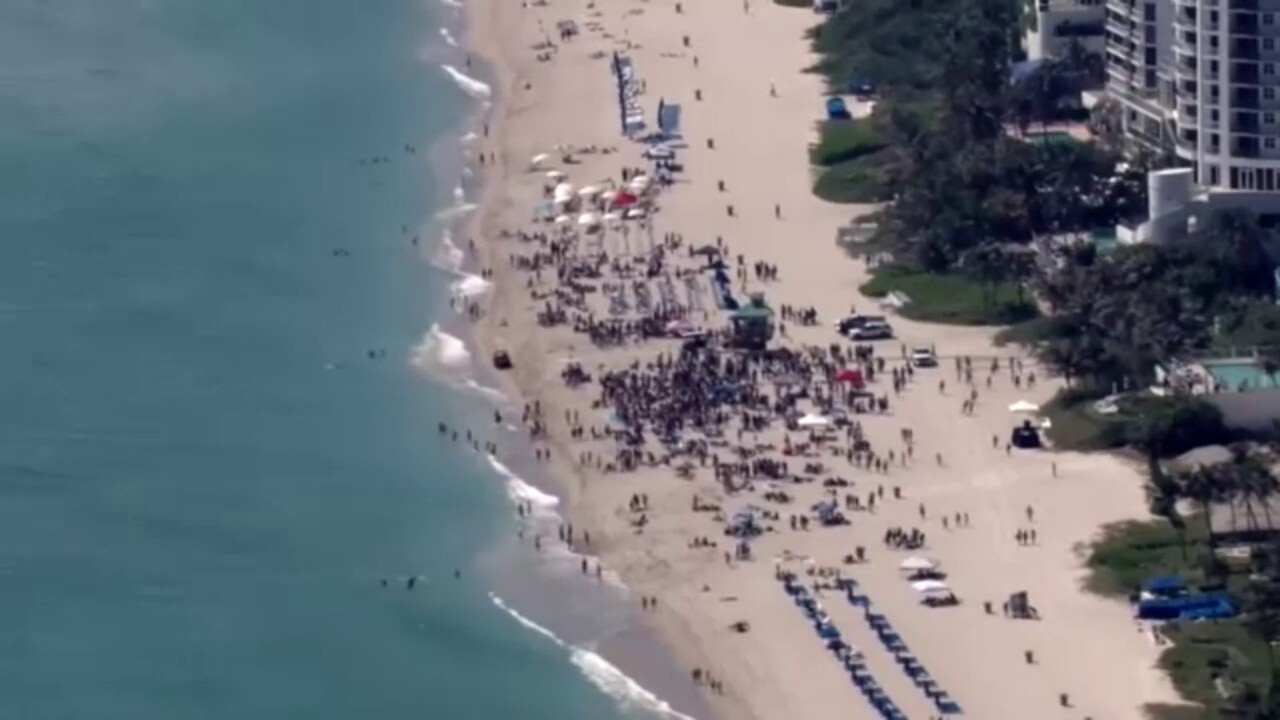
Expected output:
(843, 326)
(871, 331)
(923, 357)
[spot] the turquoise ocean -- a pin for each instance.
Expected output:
(222, 363)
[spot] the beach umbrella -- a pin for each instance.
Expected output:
(564, 188)
(635, 212)
(588, 191)
(624, 199)
(555, 175)
(927, 586)
(562, 220)
(1023, 406)
(612, 217)
(608, 195)
(538, 159)
(812, 420)
(588, 219)
(918, 563)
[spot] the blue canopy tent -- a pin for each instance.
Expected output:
(1166, 585)
(836, 109)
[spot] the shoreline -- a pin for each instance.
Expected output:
(637, 651)
(689, 625)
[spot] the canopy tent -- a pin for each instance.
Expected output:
(1023, 406)
(849, 375)
(930, 586)
(812, 420)
(918, 563)
(1166, 585)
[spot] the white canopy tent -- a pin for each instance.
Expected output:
(930, 586)
(812, 420)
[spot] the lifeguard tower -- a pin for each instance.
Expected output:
(752, 323)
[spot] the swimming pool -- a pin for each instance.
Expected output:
(1238, 375)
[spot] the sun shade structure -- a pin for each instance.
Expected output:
(1023, 406)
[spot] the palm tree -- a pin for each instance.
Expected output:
(1203, 485)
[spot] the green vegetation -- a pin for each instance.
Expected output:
(861, 180)
(1226, 667)
(843, 140)
(1162, 427)
(953, 299)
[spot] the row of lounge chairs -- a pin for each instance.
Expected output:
(848, 656)
(902, 655)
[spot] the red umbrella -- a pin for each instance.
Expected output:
(624, 199)
(849, 375)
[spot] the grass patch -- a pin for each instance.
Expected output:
(861, 180)
(1130, 553)
(950, 299)
(1077, 427)
(1207, 655)
(844, 140)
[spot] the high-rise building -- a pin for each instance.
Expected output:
(1202, 78)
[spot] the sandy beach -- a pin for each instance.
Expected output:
(750, 109)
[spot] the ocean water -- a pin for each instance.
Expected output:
(204, 476)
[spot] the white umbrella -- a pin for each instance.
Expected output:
(608, 195)
(555, 175)
(812, 420)
(612, 217)
(538, 159)
(589, 191)
(634, 213)
(927, 586)
(562, 220)
(588, 219)
(564, 188)
(918, 563)
(1022, 406)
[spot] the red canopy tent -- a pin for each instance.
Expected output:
(850, 376)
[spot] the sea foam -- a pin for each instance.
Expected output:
(440, 349)
(448, 256)
(522, 492)
(468, 84)
(448, 37)
(494, 395)
(469, 286)
(629, 694)
(619, 686)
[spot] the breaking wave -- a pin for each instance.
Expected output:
(494, 395)
(440, 349)
(469, 286)
(448, 256)
(468, 84)
(448, 37)
(629, 694)
(522, 492)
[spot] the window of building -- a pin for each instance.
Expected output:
(1268, 43)
(1268, 93)
(1268, 68)
(1269, 118)
(1268, 18)
(1214, 178)
(1269, 143)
